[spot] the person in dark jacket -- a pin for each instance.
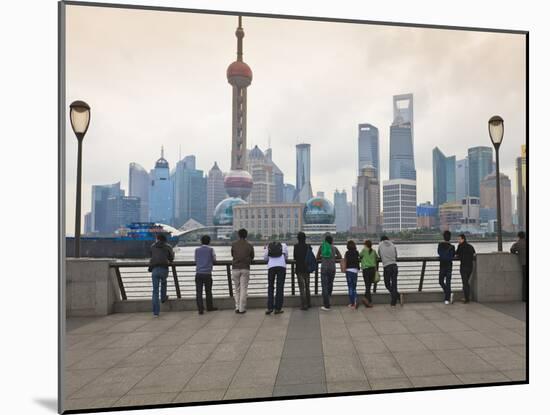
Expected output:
(162, 256)
(243, 254)
(446, 252)
(351, 265)
(300, 251)
(204, 260)
(465, 253)
(328, 254)
(520, 249)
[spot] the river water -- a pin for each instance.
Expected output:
(186, 253)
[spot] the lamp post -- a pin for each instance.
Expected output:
(496, 132)
(80, 120)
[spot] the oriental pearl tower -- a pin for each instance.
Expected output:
(238, 182)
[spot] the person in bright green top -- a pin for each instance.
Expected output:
(369, 264)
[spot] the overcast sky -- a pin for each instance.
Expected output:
(158, 78)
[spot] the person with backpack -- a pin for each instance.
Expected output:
(388, 255)
(369, 263)
(351, 267)
(465, 252)
(242, 253)
(204, 260)
(162, 256)
(328, 254)
(276, 254)
(446, 252)
(305, 264)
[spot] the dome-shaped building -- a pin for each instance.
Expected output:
(223, 214)
(318, 210)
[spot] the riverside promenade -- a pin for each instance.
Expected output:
(127, 359)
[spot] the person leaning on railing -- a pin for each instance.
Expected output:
(328, 254)
(204, 260)
(369, 263)
(162, 255)
(466, 253)
(302, 252)
(446, 252)
(276, 254)
(520, 249)
(388, 255)
(242, 253)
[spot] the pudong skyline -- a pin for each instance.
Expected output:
(290, 101)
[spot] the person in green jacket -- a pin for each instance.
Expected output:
(369, 264)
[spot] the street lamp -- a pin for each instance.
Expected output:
(80, 120)
(496, 132)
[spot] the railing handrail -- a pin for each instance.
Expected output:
(117, 263)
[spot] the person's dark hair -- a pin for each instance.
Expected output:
(161, 237)
(462, 236)
(384, 238)
(368, 244)
(351, 245)
(447, 236)
(328, 238)
(521, 235)
(243, 233)
(205, 239)
(301, 237)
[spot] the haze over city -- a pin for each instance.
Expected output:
(158, 78)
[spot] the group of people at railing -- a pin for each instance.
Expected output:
(306, 262)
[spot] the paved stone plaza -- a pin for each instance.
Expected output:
(132, 359)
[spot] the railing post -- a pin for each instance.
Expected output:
(292, 279)
(229, 284)
(176, 281)
(120, 283)
(317, 279)
(421, 283)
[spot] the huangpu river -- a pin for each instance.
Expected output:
(186, 253)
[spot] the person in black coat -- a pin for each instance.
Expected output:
(466, 254)
(446, 252)
(300, 252)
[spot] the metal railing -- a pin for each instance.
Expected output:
(416, 274)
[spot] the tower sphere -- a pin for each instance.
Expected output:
(238, 183)
(239, 74)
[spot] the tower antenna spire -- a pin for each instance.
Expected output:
(162, 152)
(240, 34)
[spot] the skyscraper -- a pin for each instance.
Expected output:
(215, 191)
(100, 194)
(238, 181)
(278, 177)
(289, 193)
(353, 206)
(341, 211)
(402, 139)
(488, 198)
(399, 198)
(161, 192)
(369, 150)
(261, 169)
(303, 173)
(368, 200)
(121, 211)
(462, 179)
(480, 164)
(444, 177)
(521, 186)
(190, 194)
(139, 187)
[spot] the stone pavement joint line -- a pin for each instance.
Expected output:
(132, 359)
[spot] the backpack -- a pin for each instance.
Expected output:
(326, 250)
(311, 261)
(275, 249)
(448, 253)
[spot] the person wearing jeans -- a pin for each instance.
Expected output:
(388, 255)
(446, 252)
(276, 272)
(300, 252)
(351, 263)
(204, 259)
(243, 254)
(162, 256)
(328, 254)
